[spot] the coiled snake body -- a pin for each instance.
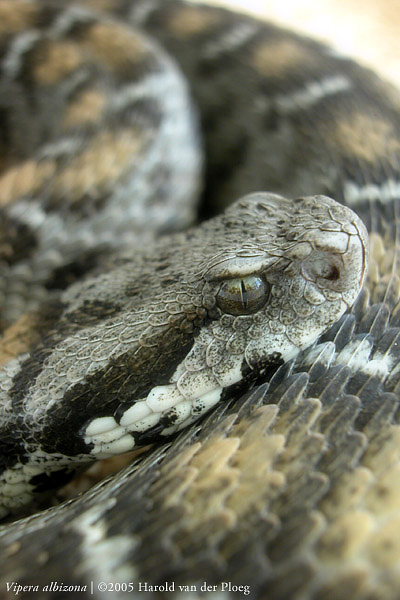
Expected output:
(118, 333)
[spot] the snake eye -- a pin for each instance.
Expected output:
(243, 296)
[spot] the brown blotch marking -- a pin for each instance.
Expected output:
(189, 20)
(384, 497)
(227, 476)
(19, 338)
(202, 479)
(105, 159)
(365, 137)
(53, 61)
(214, 472)
(114, 46)
(346, 535)
(16, 16)
(24, 180)
(85, 109)
(347, 582)
(348, 493)
(255, 460)
(384, 547)
(278, 58)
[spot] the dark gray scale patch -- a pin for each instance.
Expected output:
(281, 374)
(389, 342)
(20, 123)
(366, 386)
(48, 326)
(329, 388)
(12, 449)
(17, 240)
(46, 482)
(154, 433)
(317, 370)
(112, 391)
(63, 276)
(381, 412)
(93, 312)
(341, 333)
(261, 364)
(222, 170)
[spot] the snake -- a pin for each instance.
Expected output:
(199, 247)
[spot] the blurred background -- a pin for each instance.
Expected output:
(368, 30)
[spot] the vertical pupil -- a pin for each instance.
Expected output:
(242, 296)
(245, 296)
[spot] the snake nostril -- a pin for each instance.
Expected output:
(333, 275)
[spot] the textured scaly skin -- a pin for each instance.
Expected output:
(292, 489)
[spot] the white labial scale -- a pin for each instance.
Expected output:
(181, 412)
(190, 411)
(106, 438)
(31, 470)
(11, 476)
(101, 425)
(103, 431)
(14, 477)
(145, 424)
(201, 390)
(163, 397)
(15, 489)
(137, 412)
(15, 501)
(201, 406)
(205, 402)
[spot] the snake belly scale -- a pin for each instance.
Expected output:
(124, 323)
